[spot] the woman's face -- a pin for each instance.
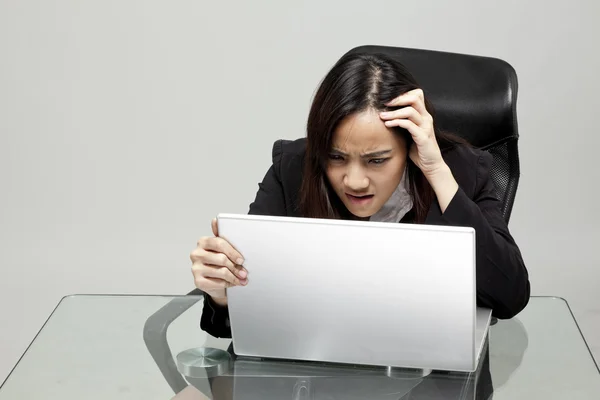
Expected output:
(366, 162)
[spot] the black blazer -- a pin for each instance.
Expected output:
(502, 279)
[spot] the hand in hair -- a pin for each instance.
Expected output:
(414, 117)
(425, 152)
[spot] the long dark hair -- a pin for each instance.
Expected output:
(356, 83)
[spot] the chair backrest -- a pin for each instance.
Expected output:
(475, 98)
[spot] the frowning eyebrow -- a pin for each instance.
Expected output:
(374, 154)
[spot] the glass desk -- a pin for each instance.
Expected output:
(126, 347)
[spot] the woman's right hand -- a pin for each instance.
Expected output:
(216, 266)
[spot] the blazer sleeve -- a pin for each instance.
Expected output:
(501, 276)
(269, 200)
(215, 319)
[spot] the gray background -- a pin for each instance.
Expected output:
(126, 125)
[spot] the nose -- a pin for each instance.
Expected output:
(356, 179)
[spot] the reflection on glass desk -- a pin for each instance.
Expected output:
(126, 347)
(259, 379)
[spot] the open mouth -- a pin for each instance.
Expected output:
(359, 199)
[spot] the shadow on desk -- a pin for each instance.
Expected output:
(508, 343)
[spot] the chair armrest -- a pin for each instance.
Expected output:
(155, 338)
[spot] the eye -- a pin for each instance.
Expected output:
(336, 157)
(378, 161)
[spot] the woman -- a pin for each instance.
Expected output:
(372, 152)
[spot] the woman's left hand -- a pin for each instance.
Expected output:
(413, 117)
(425, 152)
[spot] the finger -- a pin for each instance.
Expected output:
(218, 283)
(202, 256)
(204, 275)
(214, 258)
(220, 245)
(203, 282)
(415, 98)
(221, 260)
(409, 99)
(225, 274)
(417, 133)
(215, 227)
(416, 92)
(213, 271)
(403, 113)
(208, 284)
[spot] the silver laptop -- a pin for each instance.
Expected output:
(354, 292)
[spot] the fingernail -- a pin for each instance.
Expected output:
(239, 261)
(388, 123)
(242, 273)
(244, 282)
(384, 114)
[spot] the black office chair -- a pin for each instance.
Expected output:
(474, 97)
